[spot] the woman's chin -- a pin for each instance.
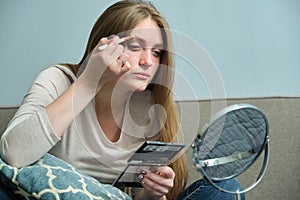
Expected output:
(141, 88)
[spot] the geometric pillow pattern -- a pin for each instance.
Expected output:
(53, 178)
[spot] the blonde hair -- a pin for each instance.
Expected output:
(119, 18)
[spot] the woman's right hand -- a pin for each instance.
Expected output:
(102, 66)
(106, 65)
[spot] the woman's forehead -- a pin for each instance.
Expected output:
(148, 32)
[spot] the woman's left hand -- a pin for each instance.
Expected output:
(157, 183)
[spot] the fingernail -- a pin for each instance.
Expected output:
(142, 172)
(141, 177)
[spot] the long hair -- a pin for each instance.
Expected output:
(119, 18)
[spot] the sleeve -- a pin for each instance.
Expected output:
(29, 134)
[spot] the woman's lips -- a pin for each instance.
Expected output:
(141, 75)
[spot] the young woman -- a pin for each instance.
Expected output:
(95, 114)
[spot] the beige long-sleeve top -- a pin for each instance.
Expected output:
(84, 145)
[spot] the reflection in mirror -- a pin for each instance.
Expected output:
(232, 141)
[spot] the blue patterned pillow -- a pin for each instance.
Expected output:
(53, 178)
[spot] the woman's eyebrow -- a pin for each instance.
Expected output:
(143, 41)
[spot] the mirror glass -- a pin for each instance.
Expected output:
(231, 142)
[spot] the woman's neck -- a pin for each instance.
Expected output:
(109, 99)
(109, 107)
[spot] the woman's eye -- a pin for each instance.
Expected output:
(134, 47)
(157, 53)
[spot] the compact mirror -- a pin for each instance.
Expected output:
(232, 141)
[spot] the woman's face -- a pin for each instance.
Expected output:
(144, 52)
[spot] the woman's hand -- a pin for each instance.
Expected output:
(157, 183)
(107, 64)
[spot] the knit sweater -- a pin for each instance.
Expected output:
(83, 144)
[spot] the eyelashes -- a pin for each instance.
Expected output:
(137, 48)
(133, 47)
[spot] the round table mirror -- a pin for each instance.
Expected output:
(232, 141)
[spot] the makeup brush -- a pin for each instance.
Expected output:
(129, 37)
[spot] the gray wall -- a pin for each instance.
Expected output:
(253, 46)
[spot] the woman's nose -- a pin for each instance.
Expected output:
(146, 59)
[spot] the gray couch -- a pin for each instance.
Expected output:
(282, 178)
